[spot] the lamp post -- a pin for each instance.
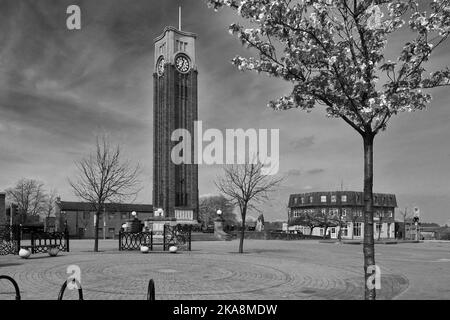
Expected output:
(219, 216)
(104, 228)
(218, 225)
(104, 223)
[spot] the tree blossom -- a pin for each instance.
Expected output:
(333, 54)
(333, 51)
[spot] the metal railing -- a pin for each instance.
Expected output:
(16, 286)
(178, 235)
(151, 290)
(64, 286)
(151, 296)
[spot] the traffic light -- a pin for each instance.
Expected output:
(416, 219)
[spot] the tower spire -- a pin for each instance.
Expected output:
(179, 18)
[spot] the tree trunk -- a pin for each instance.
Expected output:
(353, 228)
(404, 227)
(369, 245)
(381, 226)
(97, 217)
(241, 241)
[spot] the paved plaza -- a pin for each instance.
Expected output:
(213, 270)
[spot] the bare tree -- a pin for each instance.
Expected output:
(29, 195)
(405, 216)
(326, 220)
(49, 207)
(208, 210)
(246, 186)
(104, 178)
(311, 221)
(49, 203)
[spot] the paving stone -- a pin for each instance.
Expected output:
(213, 270)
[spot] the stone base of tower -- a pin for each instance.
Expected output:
(157, 223)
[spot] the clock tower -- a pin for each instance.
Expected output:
(175, 187)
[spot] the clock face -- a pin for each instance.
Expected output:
(160, 66)
(182, 64)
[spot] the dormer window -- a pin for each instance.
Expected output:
(344, 198)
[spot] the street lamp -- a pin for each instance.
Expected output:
(219, 212)
(159, 212)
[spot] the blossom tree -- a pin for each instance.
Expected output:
(333, 52)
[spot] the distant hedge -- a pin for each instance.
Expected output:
(274, 235)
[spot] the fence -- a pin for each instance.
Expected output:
(12, 239)
(9, 239)
(43, 241)
(178, 235)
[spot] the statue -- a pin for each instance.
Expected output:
(260, 223)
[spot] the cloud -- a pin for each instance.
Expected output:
(10, 157)
(293, 173)
(315, 171)
(303, 143)
(59, 87)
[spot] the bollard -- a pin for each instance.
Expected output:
(63, 288)
(16, 287)
(151, 290)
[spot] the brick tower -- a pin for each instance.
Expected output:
(175, 187)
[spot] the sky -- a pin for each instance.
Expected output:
(61, 88)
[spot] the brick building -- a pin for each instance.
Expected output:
(175, 187)
(79, 218)
(334, 211)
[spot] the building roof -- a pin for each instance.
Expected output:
(354, 198)
(110, 207)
